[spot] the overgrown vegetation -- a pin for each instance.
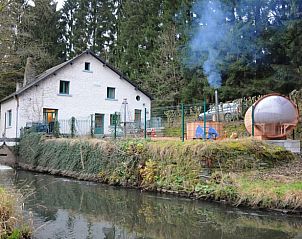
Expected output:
(216, 170)
(11, 220)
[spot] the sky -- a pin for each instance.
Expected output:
(60, 4)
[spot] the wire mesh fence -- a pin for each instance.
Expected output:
(201, 121)
(92, 126)
(182, 122)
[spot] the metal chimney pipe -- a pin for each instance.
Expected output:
(217, 105)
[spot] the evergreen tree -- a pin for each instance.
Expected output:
(38, 35)
(10, 68)
(166, 79)
(138, 27)
(68, 20)
(88, 24)
(103, 28)
(258, 52)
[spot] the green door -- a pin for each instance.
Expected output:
(99, 124)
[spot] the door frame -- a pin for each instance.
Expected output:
(50, 124)
(99, 130)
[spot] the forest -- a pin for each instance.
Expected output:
(177, 50)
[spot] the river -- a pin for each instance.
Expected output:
(66, 208)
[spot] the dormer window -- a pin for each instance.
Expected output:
(87, 66)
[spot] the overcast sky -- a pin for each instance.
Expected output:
(60, 4)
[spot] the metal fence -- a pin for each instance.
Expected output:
(196, 121)
(181, 122)
(79, 127)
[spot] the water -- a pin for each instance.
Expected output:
(65, 208)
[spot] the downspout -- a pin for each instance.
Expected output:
(17, 116)
(4, 133)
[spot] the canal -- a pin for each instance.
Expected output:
(66, 208)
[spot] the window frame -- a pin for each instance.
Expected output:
(108, 93)
(9, 118)
(136, 113)
(64, 88)
(89, 66)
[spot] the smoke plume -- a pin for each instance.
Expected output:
(207, 39)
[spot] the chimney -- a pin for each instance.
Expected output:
(18, 85)
(217, 105)
(29, 73)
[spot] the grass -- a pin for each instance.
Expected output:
(235, 127)
(247, 188)
(172, 132)
(11, 220)
(269, 193)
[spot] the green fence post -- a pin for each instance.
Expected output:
(145, 125)
(115, 124)
(91, 126)
(204, 118)
(182, 122)
(72, 127)
(253, 120)
(56, 129)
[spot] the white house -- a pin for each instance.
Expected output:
(85, 87)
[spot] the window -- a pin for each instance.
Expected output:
(110, 93)
(138, 98)
(87, 66)
(118, 119)
(9, 118)
(64, 87)
(137, 115)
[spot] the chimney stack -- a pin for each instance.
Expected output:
(18, 85)
(29, 73)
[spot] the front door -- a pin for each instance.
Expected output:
(50, 116)
(99, 124)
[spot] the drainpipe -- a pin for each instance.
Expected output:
(4, 133)
(17, 116)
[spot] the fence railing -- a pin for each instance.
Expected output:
(74, 127)
(181, 122)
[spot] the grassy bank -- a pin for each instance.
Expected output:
(224, 171)
(11, 220)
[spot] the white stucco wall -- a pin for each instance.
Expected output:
(87, 95)
(5, 130)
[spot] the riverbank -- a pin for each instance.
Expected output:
(228, 171)
(12, 225)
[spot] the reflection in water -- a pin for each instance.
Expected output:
(65, 208)
(3, 167)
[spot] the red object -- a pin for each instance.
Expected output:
(153, 134)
